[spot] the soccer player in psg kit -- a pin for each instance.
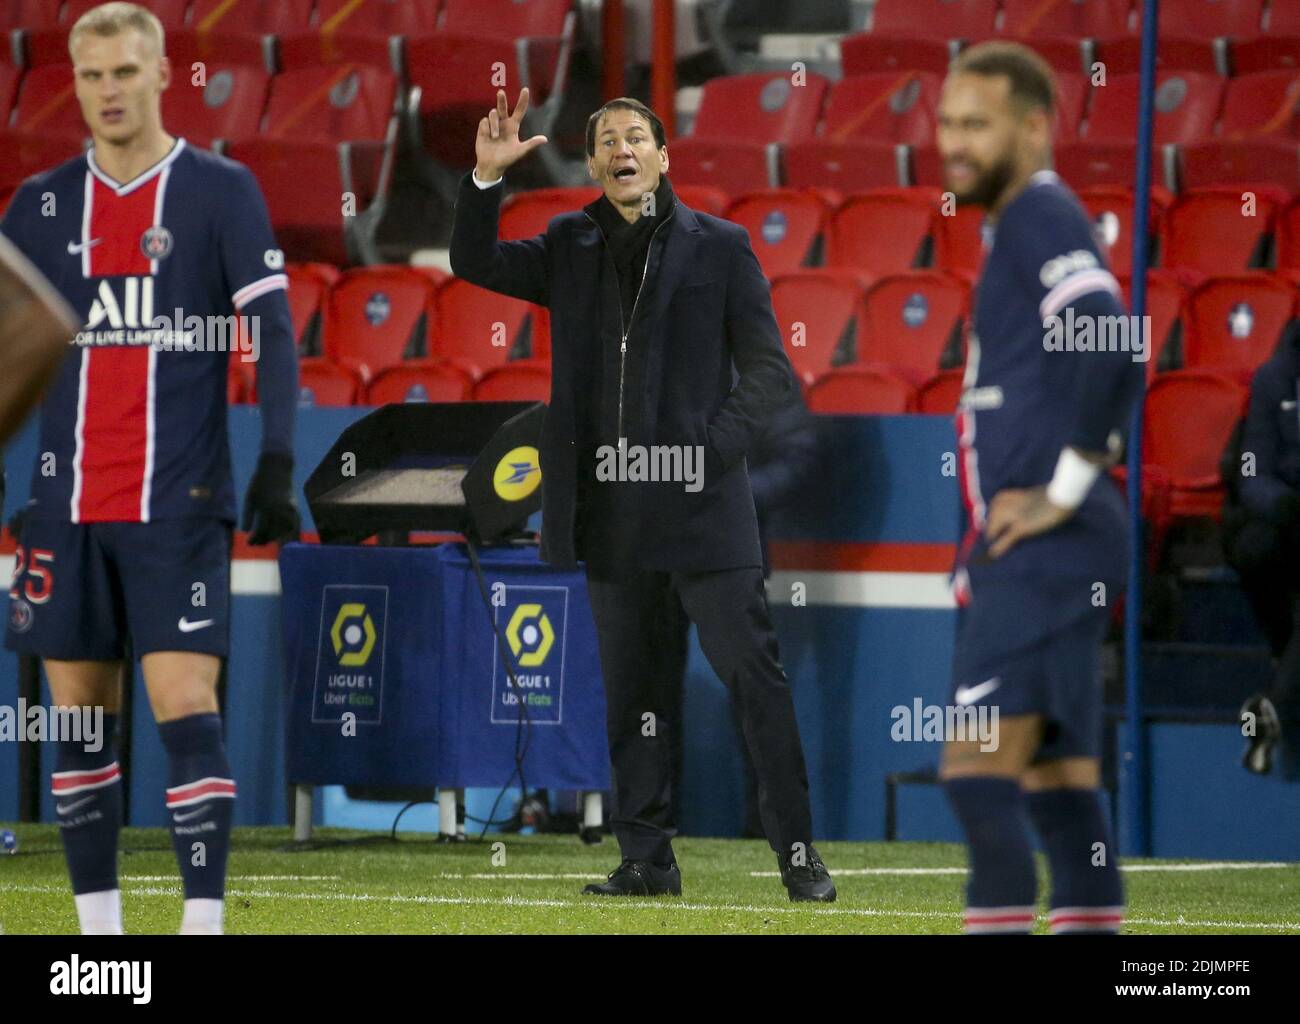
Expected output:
(128, 528)
(1045, 558)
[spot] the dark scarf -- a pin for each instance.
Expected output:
(629, 244)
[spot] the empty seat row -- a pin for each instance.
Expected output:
(322, 382)
(1043, 19)
(369, 319)
(763, 129)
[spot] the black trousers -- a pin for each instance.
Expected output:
(639, 635)
(1265, 554)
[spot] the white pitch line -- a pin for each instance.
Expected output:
(241, 878)
(656, 905)
(1207, 866)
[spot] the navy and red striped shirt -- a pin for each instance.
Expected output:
(133, 428)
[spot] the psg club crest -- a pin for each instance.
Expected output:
(20, 615)
(156, 242)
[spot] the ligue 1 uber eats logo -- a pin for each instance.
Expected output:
(353, 638)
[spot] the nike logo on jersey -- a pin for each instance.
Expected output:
(201, 809)
(69, 808)
(185, 626)
(970, 694)
(77, 248)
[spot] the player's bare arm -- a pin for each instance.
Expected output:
(34, 335)
(1015, 514)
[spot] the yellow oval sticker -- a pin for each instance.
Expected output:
(517, 474)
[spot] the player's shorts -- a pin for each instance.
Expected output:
(1033, 647)
(80, 589)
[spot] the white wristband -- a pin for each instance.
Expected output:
(484, 184)
(1072, 480)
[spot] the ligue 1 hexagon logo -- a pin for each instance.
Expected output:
(156, 242)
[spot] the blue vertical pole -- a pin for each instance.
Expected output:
(1135, 838)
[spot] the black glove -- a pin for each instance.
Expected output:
(270, 511)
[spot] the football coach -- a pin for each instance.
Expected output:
(665, 362)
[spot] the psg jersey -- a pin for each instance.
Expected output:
(133, 428)
(1027, 393)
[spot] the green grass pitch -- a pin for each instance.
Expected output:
(354, 883)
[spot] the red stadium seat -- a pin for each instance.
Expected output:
(320, 382)
(309, 283)
(1260, 105)
(903, 216)
(1232, 324)
(526, 214)
(816, 310)
(26, 155)
(1111, 209)
(1284, 18)
(1287, 227)
(9, 76)
(1209, 19)
(1206, 231)
(1186, 103)
(479, 329)
(1037, 19)
(910, 320)
(1164, 305)
(1082, 164)
(530, 39)
(1253, 162)
(1266, 53)
(524, 380)
(845, 166)
(348, 32)
(239, 378)
(187, 48)
(958, 245)
(47, 104)
(741, 121)
(377, 316)
(1122, 55)
(29, 14)
(887, 106)
(861, 391)
(228, 106)
(868, 52)
(420, 380)
(170, 12)
(1189, 415)
(704, 198)
(1072, 94)
(306, 172)
(935, 19)
(251, 17)
(331, 104)
(941, 393)
(783, 226)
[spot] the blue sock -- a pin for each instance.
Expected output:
(1002, 884)
(200, 801)
(1087, 894)
(88, 804)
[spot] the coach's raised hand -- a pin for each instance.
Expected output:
(498, 144)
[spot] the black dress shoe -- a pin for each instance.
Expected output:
(638, 878)
(1258, 755)
(809, 882)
